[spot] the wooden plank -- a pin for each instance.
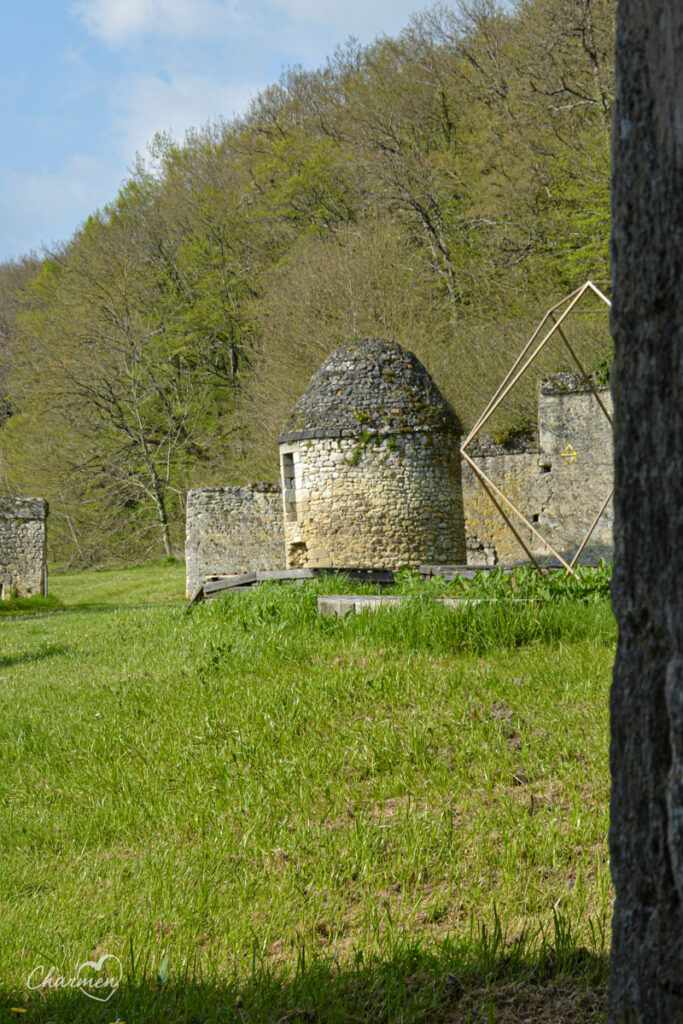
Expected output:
(449, 572)
(284, 574)
(360, 575)
(228, 582)
(436, 570)
(341, 604)
(197, 595)
(228, 592)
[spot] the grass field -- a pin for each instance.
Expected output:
(267, 815)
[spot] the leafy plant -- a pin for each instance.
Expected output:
(602, 366)
(523, 429)
(355, 456)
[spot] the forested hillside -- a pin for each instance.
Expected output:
(439, 189)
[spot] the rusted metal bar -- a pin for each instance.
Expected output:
(586, 376)
(482, 475)
(511, 383)
(591, 528)
(516, 363)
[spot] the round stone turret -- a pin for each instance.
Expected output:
(370, 465)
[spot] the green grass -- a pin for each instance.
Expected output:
(394, 816)
(36, 605)
(120, 587)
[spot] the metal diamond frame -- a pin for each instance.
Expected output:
(555, 317)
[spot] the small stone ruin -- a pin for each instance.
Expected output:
(23, 547)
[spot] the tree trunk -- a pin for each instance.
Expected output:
(160, 500)
(646, 833)
(168, 546)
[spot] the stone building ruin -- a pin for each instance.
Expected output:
(370, 466)
(371, 477)
(23, 547)
(231, 530)
(559, 491)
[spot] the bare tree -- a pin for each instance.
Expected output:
(106, 362)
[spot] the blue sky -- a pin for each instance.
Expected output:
(85, 84)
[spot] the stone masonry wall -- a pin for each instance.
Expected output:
(23, 546)
(403, 499)
(577, 489)
(561, 498)
(387, 502)
(519, 477)
(232, 530)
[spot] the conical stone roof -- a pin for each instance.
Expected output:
(369, 385)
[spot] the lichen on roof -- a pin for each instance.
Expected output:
(569, 381)
(369, 385)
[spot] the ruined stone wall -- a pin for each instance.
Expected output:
(561, 498)
(386, 502)
(579, 488)
(232, 530)
(521, 479)
(404, 499)
(23, 546)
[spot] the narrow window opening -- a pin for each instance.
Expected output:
(288, 484)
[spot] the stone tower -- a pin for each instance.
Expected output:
(370, 465)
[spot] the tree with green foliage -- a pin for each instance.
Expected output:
(138, 408)
(439, 187)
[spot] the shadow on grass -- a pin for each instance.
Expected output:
(23, 659)
(112, 606)
(454, 984)
(92, 608)
(21, 607)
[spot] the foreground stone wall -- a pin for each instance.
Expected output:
(390, 502)
(560, 498)
(23, 546)
(233, 529)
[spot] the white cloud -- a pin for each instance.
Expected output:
(62, 199)
(116, 22)
(147, 104)
(354, 17)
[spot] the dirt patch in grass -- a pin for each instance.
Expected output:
(557, 1003)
